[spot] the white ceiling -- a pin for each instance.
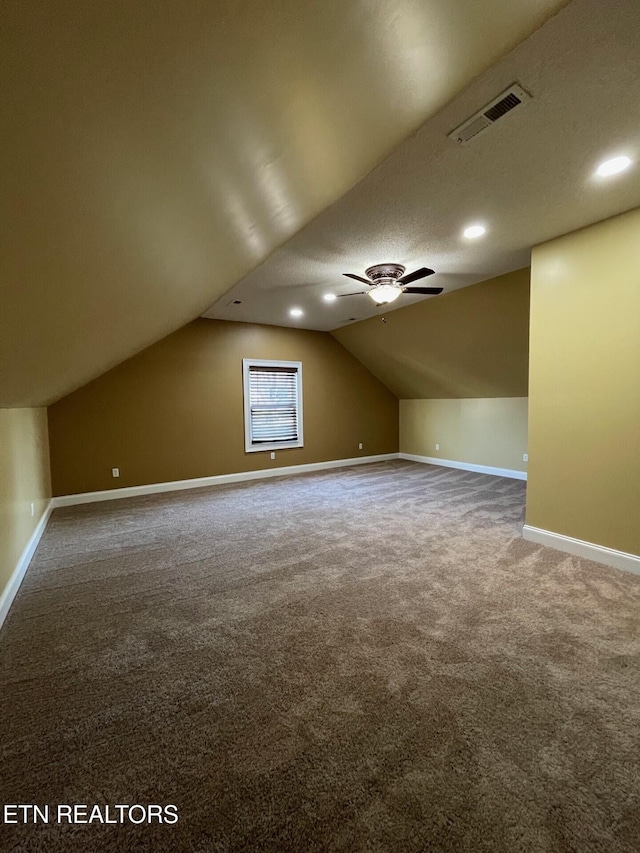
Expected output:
(528, 178)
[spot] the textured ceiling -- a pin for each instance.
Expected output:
(155, 153)
(528, 178)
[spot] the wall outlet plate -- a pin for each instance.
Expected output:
(115, 472)
(273, 455)
(360, 446)
(437, 447)
(525, 457)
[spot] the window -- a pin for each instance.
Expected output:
(272, 404)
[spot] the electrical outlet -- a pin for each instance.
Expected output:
(115, 472)
(360, 446)
(437, 447)
(273, 455)
(525, 457)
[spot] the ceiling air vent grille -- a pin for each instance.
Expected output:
(475, 125)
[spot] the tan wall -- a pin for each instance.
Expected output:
(472, 342)
(584, 405)
(175, 411)
(489, 431)
(24, 478)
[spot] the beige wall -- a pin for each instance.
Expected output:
(469, 343)
(24, 479)
(584, 406)
(175, 411)
(485, 431)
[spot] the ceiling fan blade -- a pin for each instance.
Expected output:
(359, 293)
(357, 278)
(423, 272)
(433, 290)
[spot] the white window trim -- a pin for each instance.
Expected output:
(248, 363)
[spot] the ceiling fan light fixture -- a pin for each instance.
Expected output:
(384, 293)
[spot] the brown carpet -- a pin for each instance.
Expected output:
(365, 659)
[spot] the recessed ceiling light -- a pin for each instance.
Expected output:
(613, 166)
(296, 312)
(473, 231)
(329, 297)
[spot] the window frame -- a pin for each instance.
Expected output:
(247, 364)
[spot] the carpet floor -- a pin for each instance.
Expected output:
(363, 659)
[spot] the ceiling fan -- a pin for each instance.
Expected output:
(387, 282)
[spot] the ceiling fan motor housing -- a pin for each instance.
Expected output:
(381, 273)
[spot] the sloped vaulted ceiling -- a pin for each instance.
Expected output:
(154, 153)
(473, 342)
(528, 179)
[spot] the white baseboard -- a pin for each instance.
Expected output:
(13, 585)
(218, 480)
(579, 548)
(466, 466)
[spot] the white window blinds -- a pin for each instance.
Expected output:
(273, 398)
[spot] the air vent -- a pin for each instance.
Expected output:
(475, 125)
